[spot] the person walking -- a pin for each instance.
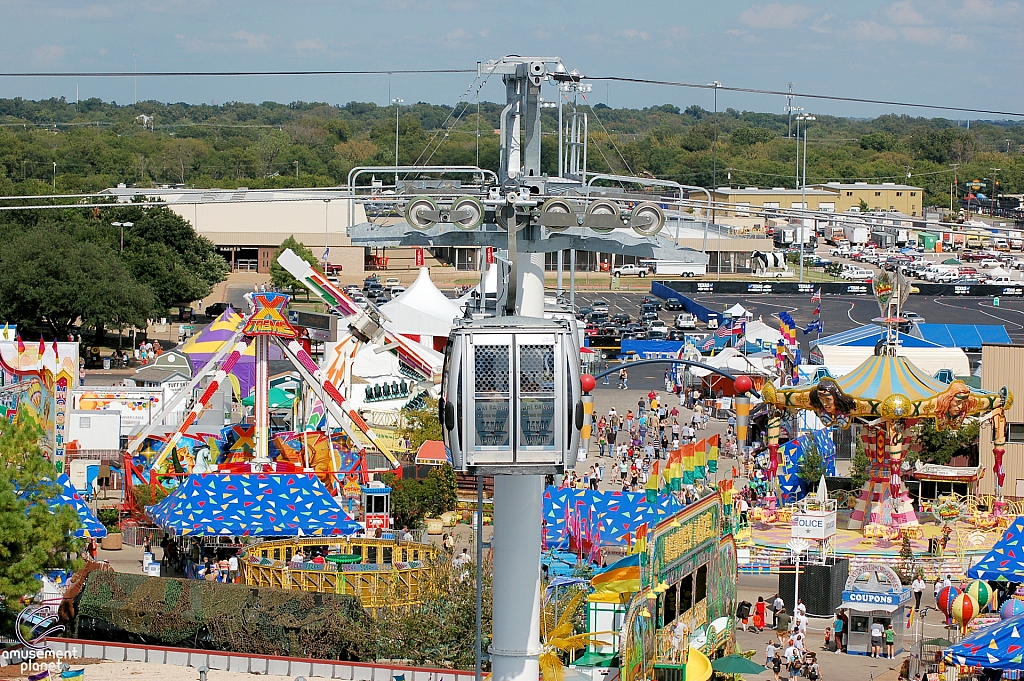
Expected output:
(782, 621)
(777, 605)
(769, 653)
(623, 379)
(918, 586)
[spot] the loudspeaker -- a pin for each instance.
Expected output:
(821, 586)
(647, 219)
(415, 209)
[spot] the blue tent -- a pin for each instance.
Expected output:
(69, 496)
(1005, 561)
(602, 517)
(966, 336)
(999, 646)
(252, 505)
(869, 335)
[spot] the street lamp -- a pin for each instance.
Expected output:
(803, 188)
(797, 546)
(122, 225)
(398, 105)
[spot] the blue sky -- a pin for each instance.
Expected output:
(957, 52)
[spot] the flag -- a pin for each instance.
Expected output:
(42, 346)
(817, 310)
(708, 344)
(816, 325)
(674, 470)
(327, 252)
(700, 466)
(622, 576)
(21, 345)
(45, 674)
(689, 472)
(652, 486)
(816, 298)
(910, 618)
(724, 331)
(640, 545)
(73, 674)
(712, 448)
(738, 327)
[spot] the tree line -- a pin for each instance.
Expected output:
(97, 144)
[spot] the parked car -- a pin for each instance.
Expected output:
(651, 300)
(584, 312)
(391, 282)
(657, 324)
(628, 270)
(214, 310)
(620, 319)
(599, 305)
(673, 304)
(658, 333)
(686, 320)
(676, 334)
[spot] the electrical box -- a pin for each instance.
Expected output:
(511, 401)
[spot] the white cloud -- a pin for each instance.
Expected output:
(252, 41)
(634, 34)
(775, 15)
(872, 31)
(81, 12)
(820, 24)
(49, 53)
(904, 13)
(309, 45)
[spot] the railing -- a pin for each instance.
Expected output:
(133, 535)
(94, 454)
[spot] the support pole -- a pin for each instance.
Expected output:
(561, 265)
(479, 657)
(572, 278)
(261, 406)
(516, 590)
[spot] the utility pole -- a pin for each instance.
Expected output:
(789, 110)
(714, 178)
(803, 188)
(992, 197)
(954, 188)
(398, 106)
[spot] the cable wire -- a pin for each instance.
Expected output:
(836, 98)
(159, 74)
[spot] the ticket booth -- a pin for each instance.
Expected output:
(873, 594)
(376, 504)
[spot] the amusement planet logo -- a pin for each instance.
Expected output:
(34, 656)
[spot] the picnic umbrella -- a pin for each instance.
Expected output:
(736, 664)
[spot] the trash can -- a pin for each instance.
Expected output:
(106, 364)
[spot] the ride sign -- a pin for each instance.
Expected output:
(819, 525)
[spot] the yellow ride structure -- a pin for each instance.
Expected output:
(377, 571)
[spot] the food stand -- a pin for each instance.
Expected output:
(874, 594)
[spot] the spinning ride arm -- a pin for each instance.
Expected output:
(366, 325)
(340, 408)
(204, 399)
(136, 442)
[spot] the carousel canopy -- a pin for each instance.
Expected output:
(1005, 562)
(69, 496)
(881, 376)
(252, 505)
(422, 310)
(999, 646)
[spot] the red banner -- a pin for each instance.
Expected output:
(419, 257)
(490, 255)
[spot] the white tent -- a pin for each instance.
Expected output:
(733, 361)
(738, 310)
(760, 333)
(929, 360)
(999, 272)
(422, 312)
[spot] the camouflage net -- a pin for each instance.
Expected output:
(228, 617)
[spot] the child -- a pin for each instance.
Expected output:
(828, 637)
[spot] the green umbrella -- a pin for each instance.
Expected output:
(278, 398)
(736, 664)
(937, 643)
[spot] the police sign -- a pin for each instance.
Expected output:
(819, 525)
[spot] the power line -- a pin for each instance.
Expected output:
(160, 74)
(784, 93)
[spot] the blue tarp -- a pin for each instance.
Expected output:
(656, 349)
(998, 646)
(252, 505)
(1005, 561)
(69, 496)
(867, 336)
(966, 336)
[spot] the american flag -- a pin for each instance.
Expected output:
(816, 298)
(708, 344)
(724, 331)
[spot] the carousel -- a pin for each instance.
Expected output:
(884, 399)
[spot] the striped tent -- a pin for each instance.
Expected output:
(881, 376)
(201, 347)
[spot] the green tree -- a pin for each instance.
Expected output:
(413, 500)
(48, 277)
(279, 276)
(33, 538)
(859, 467)
(941, 446)
(421, 424)
(811, 467)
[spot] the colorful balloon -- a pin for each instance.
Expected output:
(1011, 608)
(981, 591)
(947, 595)
(964, 609)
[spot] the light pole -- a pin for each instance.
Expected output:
(296, 163)
(122, 225)
(797, 546)
(714, 177)
(398, 105)
(803, 187)
(54, 176)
